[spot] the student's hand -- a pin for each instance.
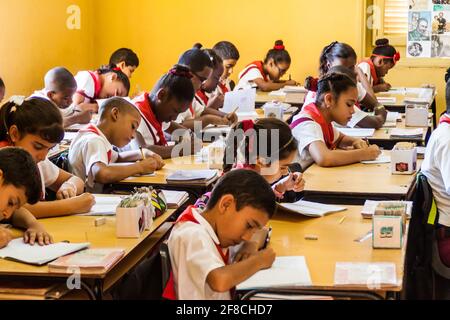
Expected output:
(92, 107)
(294, 182)
(291, 83)
(380, 110)
(360, 144)
(83, 203)
(248, 249)
(216, 102)
(83, 117)
(68, 190)
(265, 258)
(37, 233)
(150, 164)
(232, 118)
(371, 153)
(384, 86)
(159, 160)
(5, 237)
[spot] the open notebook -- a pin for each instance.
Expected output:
(19, 251)
(311, 209)
(285, 272)
(175, 199)
(192, 176)
(357, 132)
(104, 206)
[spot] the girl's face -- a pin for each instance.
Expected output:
(168, 107)
(342, 109)
(34, 144)
(213, 81)
(276, 169)
(200, 77)
(228, 68)
(11, 198)
(276, 71)
(112, 87)
(383, 66)
(128, 70)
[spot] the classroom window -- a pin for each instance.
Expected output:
(393, 21)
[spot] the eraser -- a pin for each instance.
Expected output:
(311, 237)
(100, 222)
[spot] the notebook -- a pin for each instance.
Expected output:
(370, 275)
(104, 206)
(89, 261)
(175, 199)
(19, 251)
(406, 133)
(285, 272)
(419, 100)
(311, 209)
(244, 99)
(387, 100)
(192, 176)
(369, 208)
(357, 132)
(382, 158)
(294, 89)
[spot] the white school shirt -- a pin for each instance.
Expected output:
(86, 84)
(306, 133)
(146, 132)
(197, 107)
(193, 254)
(86, 150)
(436, 167)
(43, 94)
(49, 173)
(246, 82)
(365, 68)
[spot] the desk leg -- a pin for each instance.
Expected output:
(98, 289)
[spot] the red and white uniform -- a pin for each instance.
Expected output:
(251, 72)
(368, 68)
(89, 85)
(196, 109)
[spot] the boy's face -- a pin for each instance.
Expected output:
(228, 66)
(213, 81)
(234, 227)
(2, 93)
(125, 126)
(200, 77)
(168, 107)
(112, 87)
(11, 198)
(34, 144)
(343, 109)
(63, 99)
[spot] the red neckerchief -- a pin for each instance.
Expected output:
(445, 119)
(191, 109)
(327, 128)
(202, 97)
(97, 86)
(373, 72)
(145, 107)
(93, 129)
(188, 216)
(255, 65)
(223, 88)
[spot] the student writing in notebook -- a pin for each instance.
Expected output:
(36, 126)
(384, 57)
(126, 60)
(60, 86)
(91, 154)
(203, 245)
(319, 141)
(230, 56)
(19, 184)
(342, 54)
(266, 75)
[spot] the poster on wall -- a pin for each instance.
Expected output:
(428, 29)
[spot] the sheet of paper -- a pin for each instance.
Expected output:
(382, 158)
(189, 175)
(407, 132)
(385, 100)
(285, 271)
(357, 132)
(244, 99)
(370, 275)
(312, 209)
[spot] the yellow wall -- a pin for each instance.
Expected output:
(34, 38)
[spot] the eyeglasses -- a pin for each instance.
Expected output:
(202, 79)
(281, 71)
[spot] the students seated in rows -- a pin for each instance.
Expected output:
(201, 245)
(2, 90)
(204, 106)
(159, 108)
(437, 169)
(341, 54)
(91, 154)
(60, 86)
(36, 126)
(384, 57)
(319, 141)
(126, 60)
(19, 184)
(230, 56)
(104, 83)
(266, 75)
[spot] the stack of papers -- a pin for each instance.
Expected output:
(285, 272)
(387, 100)
(311, 209)
(369, 208)
(294, 89)
(104, 206)
(370, 275)
(192, 177)
(175, 199)
(357, 132)
(407, 133)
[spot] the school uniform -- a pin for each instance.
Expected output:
(89, 147)
(368, 68)
(196, 108)
(356, 117)
(253, 71)
(223, 87)
(89, 85)
(194, 252)
(309, 126)
(43, 94)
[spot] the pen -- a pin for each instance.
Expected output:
(142, 153)
(266, 242)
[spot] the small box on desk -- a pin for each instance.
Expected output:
(389, 225)
(416, 115)
(273, 110)
(404, 158)
(131, 222)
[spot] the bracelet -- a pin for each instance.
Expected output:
(379, 107)
(74, 187)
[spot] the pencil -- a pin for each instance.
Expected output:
(235, 110)
(142, 153)
(342, 219)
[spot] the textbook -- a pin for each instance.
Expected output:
(357, 132)
(192, 176)
(19, 251)
(175, 199)
(104, 206)
(369, 207)
(89, 261)
(311, 209)
(285, 272)
(370, 275)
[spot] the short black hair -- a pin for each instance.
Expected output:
(178, 84)
(248, 189)
(279, 54)
(20, 170)
(226, 50)
(124, 55)
(117, 102)
(122, 77)
(59, 79)
(196, 59)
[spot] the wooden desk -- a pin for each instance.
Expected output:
(82, 229)
(296, 99)
(382, 136)
(353, 184)
(335, 244)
